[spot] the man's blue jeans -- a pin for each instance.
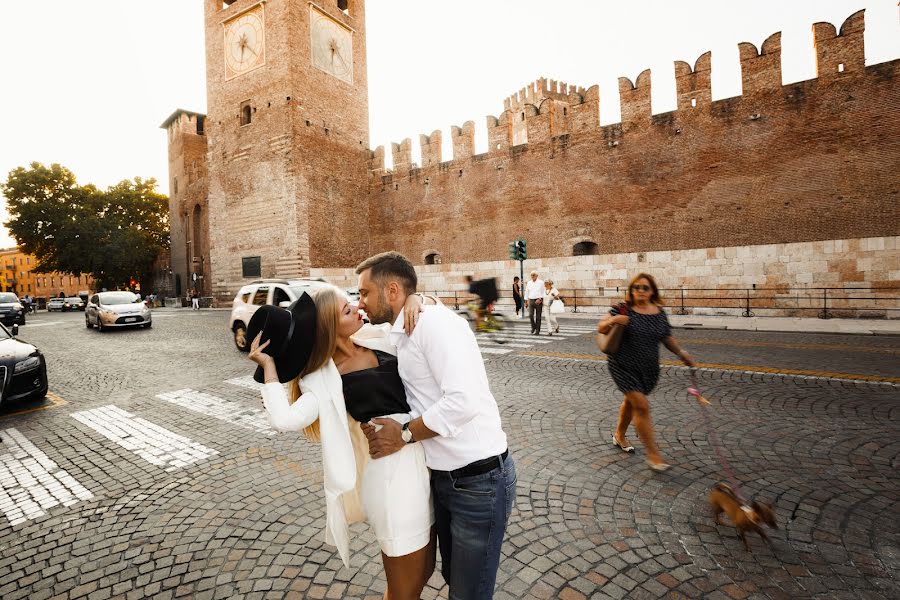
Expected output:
(470, 516)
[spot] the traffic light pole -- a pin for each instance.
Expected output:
(522, 285)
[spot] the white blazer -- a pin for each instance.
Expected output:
(345, 450)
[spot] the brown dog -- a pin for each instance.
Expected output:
(744, 518)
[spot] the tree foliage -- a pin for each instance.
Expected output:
(114, 235)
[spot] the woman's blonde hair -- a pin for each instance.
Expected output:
(655, 297)
(328, 303)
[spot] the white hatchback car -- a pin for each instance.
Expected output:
(278, 292)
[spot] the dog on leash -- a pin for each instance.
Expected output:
(744, 518)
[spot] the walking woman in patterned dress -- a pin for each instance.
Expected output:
(635, 366)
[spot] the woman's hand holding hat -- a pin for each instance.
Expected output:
(266, 363)
(256, 352)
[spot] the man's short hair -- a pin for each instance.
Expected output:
(534, 272)
(391, 265)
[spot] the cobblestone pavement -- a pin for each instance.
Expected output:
(151, 471)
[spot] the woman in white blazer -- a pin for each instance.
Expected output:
(352, 368)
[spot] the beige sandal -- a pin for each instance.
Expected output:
(616, 443)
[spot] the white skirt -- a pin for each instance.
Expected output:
(396, 495)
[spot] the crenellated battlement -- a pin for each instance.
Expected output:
(547, 109)
(535, 92)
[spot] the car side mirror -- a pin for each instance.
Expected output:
(284, 303)
(15, 330)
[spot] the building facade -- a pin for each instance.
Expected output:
(290, 187)
(18, 277)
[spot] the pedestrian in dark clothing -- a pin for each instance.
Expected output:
(635, 365)
(517, 295)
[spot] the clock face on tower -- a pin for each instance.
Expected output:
(332, 45)
(245, 47)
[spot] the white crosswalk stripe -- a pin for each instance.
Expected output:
(31, 483)
(517, 336)
(234, 413)
(248, 382)
(157, 445)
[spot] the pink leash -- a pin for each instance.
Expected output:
(694, 391)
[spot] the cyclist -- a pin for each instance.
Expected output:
(486, 290)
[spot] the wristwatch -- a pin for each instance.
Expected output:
(406, 434)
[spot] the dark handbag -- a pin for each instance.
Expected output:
(610, 341)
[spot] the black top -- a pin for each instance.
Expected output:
(635, 367)
(375, 392)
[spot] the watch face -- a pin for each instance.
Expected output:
(244, 43)
(331, 45)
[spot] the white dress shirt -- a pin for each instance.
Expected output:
(446, 384)
(534, 289)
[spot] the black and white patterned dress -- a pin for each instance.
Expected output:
(635, 367)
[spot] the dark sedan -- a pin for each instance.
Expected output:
(11, 310)
(23, 369)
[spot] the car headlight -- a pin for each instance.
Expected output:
(18, 307)
(32, 362)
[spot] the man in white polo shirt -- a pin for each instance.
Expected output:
(455, 418)
(534, 295)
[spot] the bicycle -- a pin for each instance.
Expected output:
(491, 322)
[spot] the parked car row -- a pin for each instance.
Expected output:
(23, 368)
(65, 304)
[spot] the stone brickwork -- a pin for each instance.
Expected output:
(287, 186)
(799, 165)
(188, 208)
(867, 262)
(813, 160)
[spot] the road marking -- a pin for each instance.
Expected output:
(31, 483)
(53, 402)
(225, 410)
(789, 346)
(157, 445)
(495, 351)
(248, 382)
(28, 326)
(799, 373)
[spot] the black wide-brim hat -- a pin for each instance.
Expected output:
(292, 333)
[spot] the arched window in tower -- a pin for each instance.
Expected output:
(197, 230)
(585, 249)
(246, 113)
(433, 259)
(344, 5)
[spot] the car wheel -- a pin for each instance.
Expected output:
(240, 337)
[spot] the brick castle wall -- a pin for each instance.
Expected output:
(802, 163)
(814, 160)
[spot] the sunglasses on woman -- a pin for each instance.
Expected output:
(641, 288)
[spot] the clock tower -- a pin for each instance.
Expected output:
(287, 131)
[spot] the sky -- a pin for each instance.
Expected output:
(87, 84)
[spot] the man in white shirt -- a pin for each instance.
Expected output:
(534, 295)
(455, 418)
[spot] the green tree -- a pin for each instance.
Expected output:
(114, 235)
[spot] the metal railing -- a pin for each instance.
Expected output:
(824, 302)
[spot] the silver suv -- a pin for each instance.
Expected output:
(278, 292)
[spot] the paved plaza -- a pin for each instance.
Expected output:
(151, 472)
